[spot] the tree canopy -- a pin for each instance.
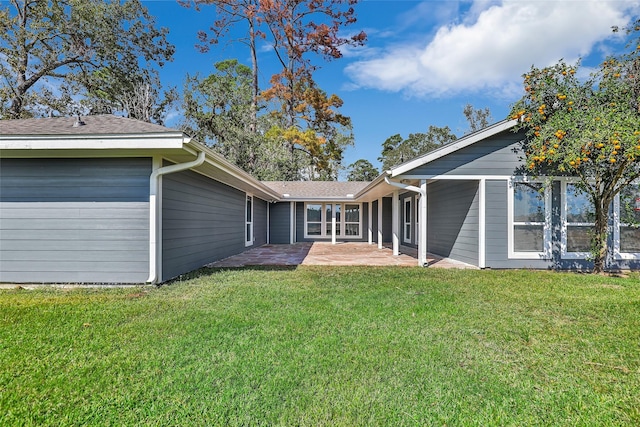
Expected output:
(396, 150)
(306, 119)
(55, 50)
(362, 170)
(589, 129)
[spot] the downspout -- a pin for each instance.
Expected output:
(154, 181)
(423, 196)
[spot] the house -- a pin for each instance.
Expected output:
(106, 199)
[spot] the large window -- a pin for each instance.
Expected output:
(318, 220)
(577, 222)
(529, 211)
(627, 223)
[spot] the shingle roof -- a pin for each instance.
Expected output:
(316, 189)
(99, 124)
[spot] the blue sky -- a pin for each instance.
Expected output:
(425, 60)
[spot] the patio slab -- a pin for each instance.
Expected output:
(324, 253)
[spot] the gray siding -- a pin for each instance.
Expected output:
(491, 157)
(387, 224)
(452, 220)
(203, 221)
(279, 223)
(259, 222)
(74, 220)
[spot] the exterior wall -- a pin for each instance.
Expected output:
(300, 225)
(74, 220)
(259, 221)
(452, 220)
(387, 214)
(279, 223)
(203, 221)
(491, 157)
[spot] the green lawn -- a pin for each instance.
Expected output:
(327, 346)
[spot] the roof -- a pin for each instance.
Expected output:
(318, 190)
(104, 124)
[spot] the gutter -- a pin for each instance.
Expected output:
(154, 184)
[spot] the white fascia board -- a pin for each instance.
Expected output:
(95, 142)
(373, 184)
(318, 199)
(224, 165)
(461, 143)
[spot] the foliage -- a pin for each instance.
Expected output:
(52, 48)
(477, 118)
(588, 129)
(326, 346)
(307, 118)
(362, 170)
(217, 111)
(395, 150)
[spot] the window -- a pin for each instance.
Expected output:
(249, 221)
(318, 220)
(577, 222)
(407, 220)
(627, 223)
(529, 216)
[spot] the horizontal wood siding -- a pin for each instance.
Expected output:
(494, 156)
(259, 222)
(203, 221)
(279, 223)
(452, 220)
(74, 220)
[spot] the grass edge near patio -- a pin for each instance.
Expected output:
(326, 346)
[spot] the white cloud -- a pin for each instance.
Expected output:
(492, 46)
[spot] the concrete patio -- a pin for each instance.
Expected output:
(324, 253)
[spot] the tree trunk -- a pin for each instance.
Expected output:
(253, 126)
(599, 238)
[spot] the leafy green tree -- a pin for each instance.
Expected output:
(362, 170)
(64, 43)
(395, 150)
(589, 129)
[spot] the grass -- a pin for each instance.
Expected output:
(326, 346)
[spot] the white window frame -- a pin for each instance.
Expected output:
(249, 235)
(327, 221)
(564, 252)
(546, 252)
(417, 221)
(617, 253)
(406, 222)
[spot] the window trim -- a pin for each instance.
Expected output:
(324, 220)
(249, 237)
(546, 253)
(406, 237)
(564, 224)
(617, 253)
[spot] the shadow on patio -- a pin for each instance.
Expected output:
(324, 253)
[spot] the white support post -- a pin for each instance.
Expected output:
(395, 214)
(482, 230)
(333, 225)
(292, 223)
(380, 244)
(422, 241)
(369, 225)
